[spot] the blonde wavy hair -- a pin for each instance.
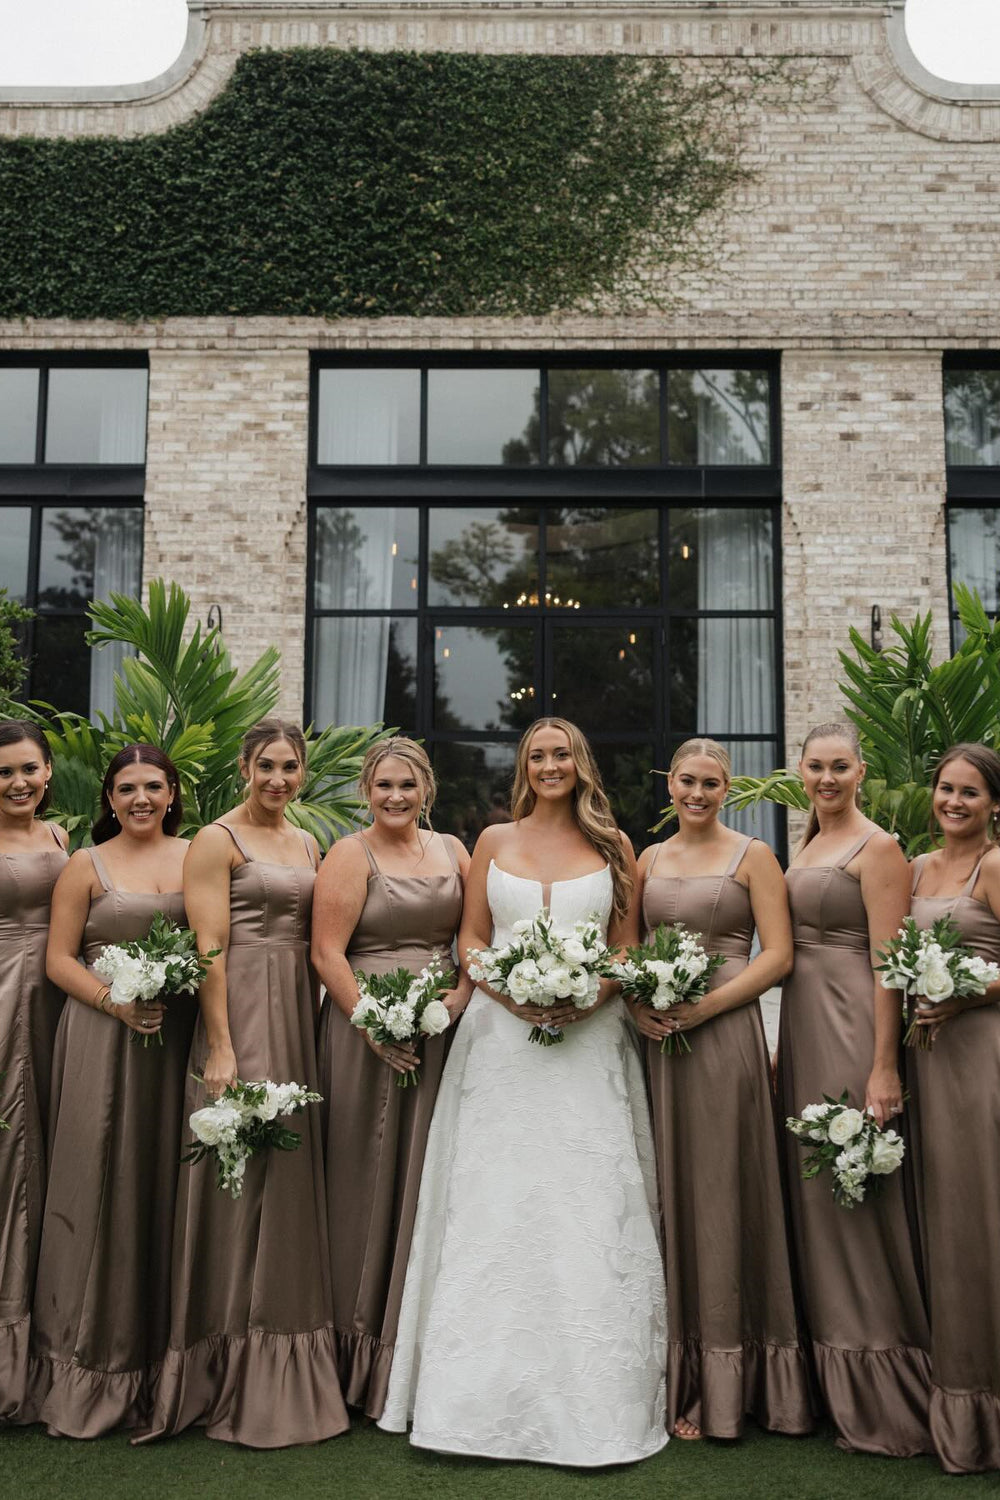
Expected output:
(416, 758)
(590, 804)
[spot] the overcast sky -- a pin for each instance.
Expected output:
(128, 41)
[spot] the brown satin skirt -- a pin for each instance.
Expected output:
(376, 1137)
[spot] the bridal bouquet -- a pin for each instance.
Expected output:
(857, 1152)
(673, 968)
(929, 965)
(399, 1007)
(165, 962)
(241, 1122)
(539, 966)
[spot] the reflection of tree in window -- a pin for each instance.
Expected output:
(339, 543)
(718, 416)
(972, 416)
(400, 686)
(478, 567)
(599, 417)
(602, 557)
(77, 532)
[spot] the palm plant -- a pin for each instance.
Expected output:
(907, 711)
(183, 694)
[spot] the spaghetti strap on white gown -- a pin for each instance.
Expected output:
(533, 1323)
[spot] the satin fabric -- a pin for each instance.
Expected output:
(102, 1297)
(857, 1268)
(955, 1088)
(251, 1356)
(734, 1347)
(29, 1013)
(376, 1133)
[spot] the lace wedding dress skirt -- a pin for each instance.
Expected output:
(533, 1323)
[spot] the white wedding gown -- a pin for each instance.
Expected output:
(533, 1323)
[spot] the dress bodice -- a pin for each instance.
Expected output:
(513, 898)
(716, 907)
(406, 919)
(826, 904)
(125, 916)
(269, 903)
(26, 882)
(979, 927)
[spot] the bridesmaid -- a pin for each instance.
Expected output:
(848, 886)
(734, 1344)
(100, 1321)
(251, 1354)
(391, 896)
(956, 1088)
(32, 854)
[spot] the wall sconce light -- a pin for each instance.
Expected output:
(215, 617)
(876, 628)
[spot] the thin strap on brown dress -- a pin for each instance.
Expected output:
(100, 869)
(59, 842)
(737, 858)
(856, 848)
(918, 870)
(451, 854)
(970, 884)
(656, 855)
(371, 858)
(309, 850)
(237, 841)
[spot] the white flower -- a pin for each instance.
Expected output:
(271, 1105)
(574, 950)
(664, 972)
(477, 973)
(845, 1126)
(523, 927)
(435, 1018)
(936, 983)
(813, 1112)
(108, 962)
(523, 981)
(558, 981)
(400, 1020)
(888, 1150)
(216, 1124)
(127, 985)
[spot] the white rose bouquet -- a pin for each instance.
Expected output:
(673, 968)
(857, 1152)
(165, 962)
(400, 1007)
(540, 966)
(241, 1122)
(929, 965)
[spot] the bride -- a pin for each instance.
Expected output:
(533, 1323)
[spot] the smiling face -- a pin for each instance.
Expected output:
(396, 794)
(550, 767)
(139, 797)
(274, 776)
(831, 773)
(698, 788)
(24, 775)
(962, 803)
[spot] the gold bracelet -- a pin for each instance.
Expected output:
(101, 998)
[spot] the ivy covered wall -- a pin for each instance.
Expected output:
(347, 183)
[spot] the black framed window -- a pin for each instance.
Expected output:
(972, 456)
(72, 475)
(555, 559)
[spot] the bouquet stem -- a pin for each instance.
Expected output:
(675, 1044)
(546, 1036)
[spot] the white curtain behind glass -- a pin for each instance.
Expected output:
(368, 417)
(731, 429)
(96, 416)
(735, 656)
(351, 656)
(974, 540)
(117, 559)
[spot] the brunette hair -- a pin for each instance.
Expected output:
(590, 804)
(703, 746)
(986, 762)
(272, 728)
(416, 758)
(12, 730)
(838, 730)
(137, 755)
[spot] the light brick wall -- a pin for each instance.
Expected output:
(225, 495)
(866, 248)
(863, 519)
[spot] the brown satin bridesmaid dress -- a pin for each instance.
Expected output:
(251, 1355)
(955, 1087)
(377, 1132)
(29, 1014)
(734, 1345)
(857, 1267)
(102, 1297)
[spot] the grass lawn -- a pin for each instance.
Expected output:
(371, 1465)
